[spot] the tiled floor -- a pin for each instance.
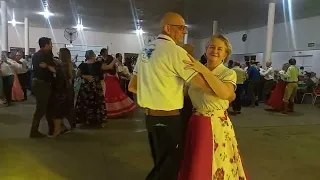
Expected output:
(273, 147)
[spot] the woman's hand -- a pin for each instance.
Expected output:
(88, 78)
(195, 65)
(52, 69)
(43, 65)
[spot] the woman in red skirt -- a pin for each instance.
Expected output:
(118, 104)
(211, 149)
(276, 97)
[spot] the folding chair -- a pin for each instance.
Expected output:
(311, 94)
(316, 94)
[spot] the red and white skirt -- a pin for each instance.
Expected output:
(211, 149)
(118, 103)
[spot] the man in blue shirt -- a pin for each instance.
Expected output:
(253, 84)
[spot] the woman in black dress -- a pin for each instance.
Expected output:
(90, 105)
(61, 101)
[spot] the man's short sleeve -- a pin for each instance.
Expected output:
(178, 65)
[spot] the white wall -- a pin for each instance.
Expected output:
(284, 39)
(122, 43)
(288, 40)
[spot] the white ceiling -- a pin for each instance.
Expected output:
(117, 16)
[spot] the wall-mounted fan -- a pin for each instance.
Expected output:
(71, 34)
(148, 39)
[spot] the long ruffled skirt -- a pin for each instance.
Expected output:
(17, 93)
(90, 105)
(117, 102)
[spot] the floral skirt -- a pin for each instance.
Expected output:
(211, 149)
(90, 104)
(117, 102)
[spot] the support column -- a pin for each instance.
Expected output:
(4, 27)
(271, 14)
(215, 27)
(185, 40)
(26, 36)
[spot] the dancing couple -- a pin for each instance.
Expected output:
(209, 143)
(283, 96)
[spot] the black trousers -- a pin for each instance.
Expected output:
(267, 89)
(260, 88)
(253, 91)
(42, 92)
(166, 144)
(236, 104)
(7, 82)
(23, 79)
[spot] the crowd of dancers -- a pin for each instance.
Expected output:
(86, 95)
(14, 73)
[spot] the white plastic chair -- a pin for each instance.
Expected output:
(311, 94)
(316, 95)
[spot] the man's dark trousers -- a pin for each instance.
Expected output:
(236, 104)
(7, 82)
(23, 79)
(166, 142)
(42, 92)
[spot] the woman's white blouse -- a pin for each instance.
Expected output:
(203, 101)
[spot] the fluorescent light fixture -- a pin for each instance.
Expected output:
(46, 13)
(139, 32)
(79, 27)
(13, 21)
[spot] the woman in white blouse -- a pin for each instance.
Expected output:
(211, 149)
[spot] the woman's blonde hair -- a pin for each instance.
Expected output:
(226, 42)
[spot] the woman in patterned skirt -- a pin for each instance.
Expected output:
(211, 149)
(90, 105)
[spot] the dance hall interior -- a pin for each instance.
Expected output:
(160, 90)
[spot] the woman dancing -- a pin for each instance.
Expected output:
(90, 105)
(117, 102)
(211, 149)
(61, 100)
(276, 97)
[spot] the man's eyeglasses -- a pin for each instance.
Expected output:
(180, 27)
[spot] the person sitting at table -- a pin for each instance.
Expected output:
(305, 86)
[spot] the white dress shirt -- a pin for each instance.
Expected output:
(161, 75)
(7, 70)
(268, 74)
(23, 68)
